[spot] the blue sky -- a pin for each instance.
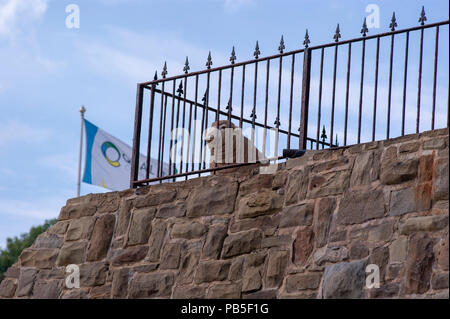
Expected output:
(47, 71)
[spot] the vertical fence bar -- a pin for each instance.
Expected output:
(419, 81)
(172, 117)
(291, 94)
(242, 96)
(253, 115)
(333, 97)
(306, 79)
(231, 95)
(189, 139)
(319, 108)
(182, 127)
(160, 131)
(361, 88)
(277, 120)
(266, 106)
(217, 119)
(391, 57)
(136, 136)
(347, 89)
(375, 94)
(195, 124)
(150, 131)
(208, 76)
(163, 137)
(405, 79)
(180, 89)
(435, 76)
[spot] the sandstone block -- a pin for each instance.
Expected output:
(303, 281)
(419, 264)
(141, 226)
(171, 210)
(47, 290)
(398, 250)
(50, 241)
(263, 202)
(156, 198)
(171, 254)
(358, 251)
(101, 237)
(251, 280)
(214, 241)
(120, 280)
(215, 270)
(366, 168)
(276, 266)
(41, 258)
(332, 183)
(7, 288)
(439, 280)
(224, 291)
(241, 243)
(402, 202)
(398, 171)
(188, 230)
(80, 228)
(72, 253)
(189, 292)
(129, 255)
(333, 254)
(322, 220)
(440, 185)
(423, 223)
(358, 207)
(26, 281)
(297, 186)
(156, 239)
(443, 255)
(189, 264)
(151, 285)
(298, 215)
(93, 274)
(77, 211)
(303, 246)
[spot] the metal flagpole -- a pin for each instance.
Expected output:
(82, 110)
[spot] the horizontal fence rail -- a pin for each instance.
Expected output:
(364, 89)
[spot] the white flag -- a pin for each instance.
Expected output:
(108, 160)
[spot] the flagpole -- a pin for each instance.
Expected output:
(82, 110)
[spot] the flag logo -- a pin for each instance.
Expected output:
(105, 147)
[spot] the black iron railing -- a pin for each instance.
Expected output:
(179, 113)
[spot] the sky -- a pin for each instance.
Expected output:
(47, 71)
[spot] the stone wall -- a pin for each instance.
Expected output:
(307, 231)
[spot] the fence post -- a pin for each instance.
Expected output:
(136, 136)
(306, 77)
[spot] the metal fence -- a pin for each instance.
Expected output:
(298, 99)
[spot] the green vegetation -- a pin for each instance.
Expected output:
(15, 246)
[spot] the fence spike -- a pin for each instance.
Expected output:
(209, 61)
(186, 66)
(281, 47)
(423, 17)
(257, 52)
(229, 105)
(364, 29)
(337, 34)
(253, 115)
(233, 56)
(324, 134)
(337, 142)
(306, 41)
(164, 71)
(393, 22)
(180, 89)
(277, 121)
(155, 78)
(204, 98)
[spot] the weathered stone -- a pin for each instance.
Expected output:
(119, 286)
(189, 292)
(262, 294)
(26, 281)
(423, 223)
(224, 291)
(189, 264)
(303, 246)
(327, 254)
(49, 241)
(101, 292)
(214, 241)
(188, 230)
(380, 257)
(7, 288)
(386, 290)
(276, 266)
(217, 197)
(254, 259)
(402, 202)
(93, 274)
(336, 164)
(77, 211)
(267, 224)
(443, 259)
(366, 168)
(151, 285)
(129, 255)
(398, 250)
(440, 185)
(298, 215)
(251, 280)
(171, 210)
(47, 290)
(236, 269)
(214, 270)
(141, 226)
(155, 198)
(303, 294)
(156, 239)
(124, 216)
(72, 253)
(59, 228)
(49, 274)
(297, 186)
(259, 181)
(80, 228)
(241, 243)
(107, 202)
(276, 241)
(322, 220)
(303, 281)
(75, 294)
(398, 171)
(358, 207)
(13, 272)
(419, 264)
(263, 202)
(409, 147)
(380, 233)
(344, 280)
(101, 237)
(434, 144)
(170, 256)
(337, 236)
(332, 183)
(422, 196)
(439, 280)
(41, 258)
(358, 251)
(394, 271)
(426, 168)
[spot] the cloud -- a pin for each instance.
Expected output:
(66, 163)
(235, 5)
(15, 14)
(14, 132)
(35, 209)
